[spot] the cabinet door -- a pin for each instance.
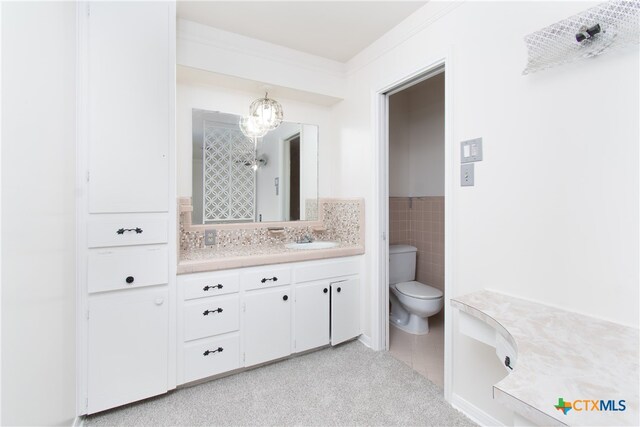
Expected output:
(128, 347)
(311, 316)
(128, 106)
(267, 325)
(345, 310)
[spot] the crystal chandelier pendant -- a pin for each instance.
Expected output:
(268, 112)
(251, 127)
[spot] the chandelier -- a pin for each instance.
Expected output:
(251, 128)
(268, 112)
(265, 114)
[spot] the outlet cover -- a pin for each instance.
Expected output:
(209, 237)
(466, 175)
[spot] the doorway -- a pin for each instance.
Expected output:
(416, 227)
(291, 186)
(294, 178)
(418, 216)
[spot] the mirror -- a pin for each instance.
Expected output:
(237, 179)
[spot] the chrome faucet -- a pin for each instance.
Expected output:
(305, 239)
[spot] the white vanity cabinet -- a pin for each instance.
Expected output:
(126, 215)
(312, 314)
(208, 324)
(283, 309)
(267, 325)
(127, 347)
(128, 59)
(345, 310)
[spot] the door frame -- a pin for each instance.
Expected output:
(380, 256)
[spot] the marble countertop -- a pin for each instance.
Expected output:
(561, 354)
(212, 259)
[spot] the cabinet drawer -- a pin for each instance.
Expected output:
(122, 268)
(211, 316)
(126, 230)
(212, 357)
(326, 270)
(265, 278)
(209, 284)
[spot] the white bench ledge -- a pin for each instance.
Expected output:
(560, 354)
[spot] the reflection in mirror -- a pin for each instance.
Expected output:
(238, 179)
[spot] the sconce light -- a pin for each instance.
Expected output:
(257, 163)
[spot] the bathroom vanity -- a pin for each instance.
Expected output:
(255, 296)
(239, 318)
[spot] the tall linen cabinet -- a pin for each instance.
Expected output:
(126, 236)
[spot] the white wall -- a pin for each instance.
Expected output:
(270, 205)
(38, 202)
(554, 213)
(212, 49)
(416, 140)
(227, 100)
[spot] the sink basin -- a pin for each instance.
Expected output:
(312, 245)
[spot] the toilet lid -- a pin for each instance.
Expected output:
(418, 290)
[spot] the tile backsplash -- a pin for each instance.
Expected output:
(419, 222)
(340, 220)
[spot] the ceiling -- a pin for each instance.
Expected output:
(335, 30)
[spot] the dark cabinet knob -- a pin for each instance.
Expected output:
(339, 289)
(129, 279)
(325, 290)
(284, 298)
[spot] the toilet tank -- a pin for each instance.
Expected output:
(402, 263)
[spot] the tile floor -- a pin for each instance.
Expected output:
(423, 353)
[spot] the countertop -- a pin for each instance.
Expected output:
(561, 354)
(212, 259)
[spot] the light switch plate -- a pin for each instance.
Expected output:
(209, 237)
(471, 150)
(466, 175)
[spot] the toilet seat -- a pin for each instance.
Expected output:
(418, 290)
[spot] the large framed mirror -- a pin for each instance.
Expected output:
(237, 179)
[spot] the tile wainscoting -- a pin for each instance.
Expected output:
(419, 222)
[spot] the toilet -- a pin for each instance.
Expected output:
(411, 302)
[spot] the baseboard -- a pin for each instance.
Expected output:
(364, 339)
(476, 414)
(78, 422)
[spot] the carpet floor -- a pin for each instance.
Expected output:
(347, 385)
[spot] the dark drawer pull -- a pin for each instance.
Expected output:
(339, 289)
(129, 279)
(286, 297)
(217, 350)
(218, 286)
(138, 230)
(264, 279)
(325, 290)
(217, 310)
